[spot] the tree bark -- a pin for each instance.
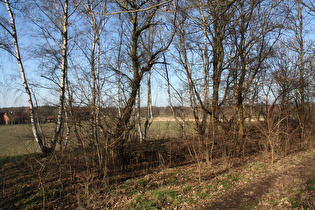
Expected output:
(17, 56)
(63, 75)
(301, 66)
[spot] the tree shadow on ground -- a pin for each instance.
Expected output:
(249, 196)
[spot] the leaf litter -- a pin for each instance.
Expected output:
(239, 183)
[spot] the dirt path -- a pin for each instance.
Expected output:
(297, 180)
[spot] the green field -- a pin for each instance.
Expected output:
(19, 140)
(164, 129)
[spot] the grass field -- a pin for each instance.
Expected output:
(164, 129)
(70, 180)
(17, 140)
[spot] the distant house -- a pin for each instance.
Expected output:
(17, 115)
(50, 119)
(6, 118)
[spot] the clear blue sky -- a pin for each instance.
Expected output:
(12, 93)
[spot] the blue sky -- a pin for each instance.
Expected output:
(12, 93)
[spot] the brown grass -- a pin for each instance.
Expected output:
(68, 180)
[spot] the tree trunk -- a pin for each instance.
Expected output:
(149, 118)
(63, 75)
(299, 34)
(17, 56)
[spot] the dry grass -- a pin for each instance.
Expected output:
(17, 140)
(229, 183)
(71, 178)
(243, 183)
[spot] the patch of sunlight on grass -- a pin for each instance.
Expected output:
(18, 139)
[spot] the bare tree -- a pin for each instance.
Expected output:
(170, 87)
(271, 127)
(215, 19)
(10, 27)
(95, 12)
(253, 36)
(185, 58)
(52, 21)
(139, 22)
(298, 46)
(149, 116)
(201, 46)
(64, 69)
(308, 4)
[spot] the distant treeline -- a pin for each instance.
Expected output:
(20, 115)
(45, 114)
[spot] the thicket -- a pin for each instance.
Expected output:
(238, 76)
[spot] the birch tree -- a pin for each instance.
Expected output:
(11, 30)
(95, 14)
(52, 20)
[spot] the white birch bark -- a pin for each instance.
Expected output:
(63, 75)
(17, 56)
